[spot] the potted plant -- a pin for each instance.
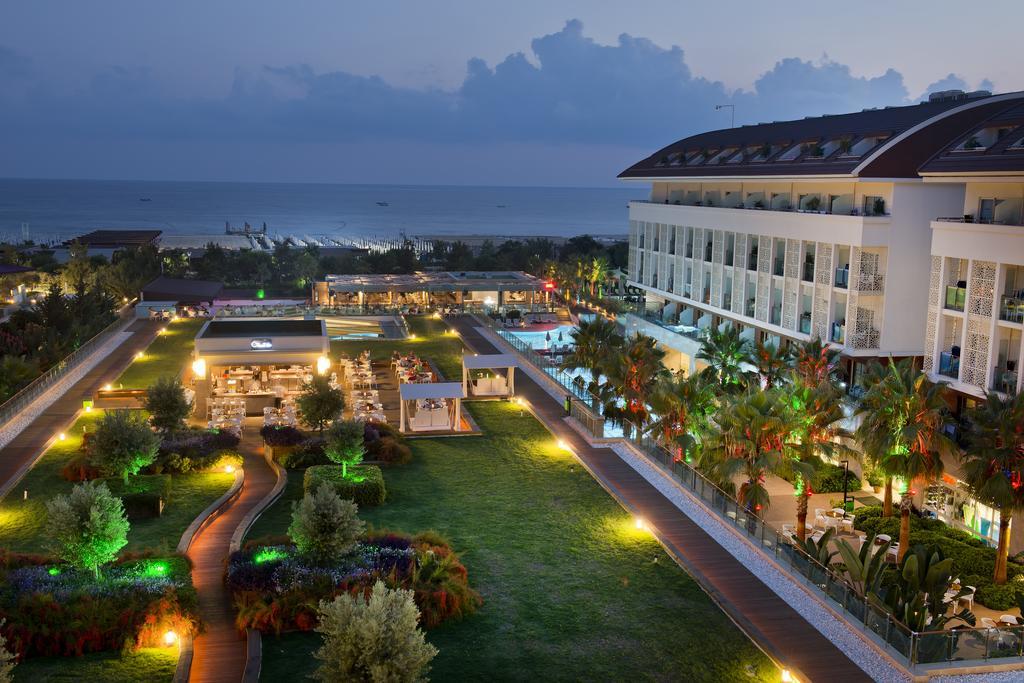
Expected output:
(813, 203)
(972, 143)
(845, 145)
(879, 206)
(759, 204)
(765, 151)
(875, 479)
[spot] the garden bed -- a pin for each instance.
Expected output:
(275, 590)
(363, 484)
(827, 478)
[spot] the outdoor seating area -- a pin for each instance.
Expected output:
(363, 394)
(431, 407)
(227, 414)
(285, 416)
(489, 375)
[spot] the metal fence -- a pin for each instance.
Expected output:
(968, 647)
(21, 400)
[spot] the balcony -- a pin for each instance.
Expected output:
(1004, 379)
(688, 331)
(752, 260)
(1011, 309)
(842, 277)
(779, 266)
(728, 257)
(808, 275)
(805, 323)
(775, 317)
(949, 364)
(838, 333)
(706, 296)
(707, 252)
(956, 298)
(689, 251)
(749, 309)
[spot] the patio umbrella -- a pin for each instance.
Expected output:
(547, 336)
(559, 335)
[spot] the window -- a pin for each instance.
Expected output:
(986, 210)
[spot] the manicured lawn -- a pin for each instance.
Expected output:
(22, 521)
(143, 666)
(572, 590)
(167, 355)
(430, 343)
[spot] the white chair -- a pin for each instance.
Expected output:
(968, 597)
(986, 622)
(846, 526)
(839, 511)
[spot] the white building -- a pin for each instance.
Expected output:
(976, 295)
(796, 229)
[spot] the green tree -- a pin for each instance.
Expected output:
(632, 372)
(753, 436)
(815, 362)
(727, 353)
(324, 526)
(376, 640)
(993, 464)
(593, 340)
(167, 404)
(771, 363)
(346, 445)
(123, 444)
(597, 273)
(682, 405)
(319, 403)
(905, 417)
(87, 527)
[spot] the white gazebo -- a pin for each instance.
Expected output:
(494, 385)
(430, 407)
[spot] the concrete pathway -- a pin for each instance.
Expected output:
(764, 616)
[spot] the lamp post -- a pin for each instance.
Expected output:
(846, 483)
(732, 112)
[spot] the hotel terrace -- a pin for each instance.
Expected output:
(436, 289)
(796, 229)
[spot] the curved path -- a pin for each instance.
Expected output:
(219, 653)
(764, 616)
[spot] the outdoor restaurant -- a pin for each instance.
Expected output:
(440, 290)
(255, 367)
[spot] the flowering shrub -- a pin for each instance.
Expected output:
(276, 590)
(56, 610)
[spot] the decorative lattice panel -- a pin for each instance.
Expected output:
(790, 296)
(678, 277)
(819, 315)
(663, 272)
(935, 282)
(864, 336)
(867, 278)
(953, 267)
(792, 263)
(739, 288)
(717, 258)
(930, 329)
(982, 288)
(823, 264)
(764, 290)
(974, 363)
(764, 255)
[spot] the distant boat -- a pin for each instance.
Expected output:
(145, 199)
(383, 204)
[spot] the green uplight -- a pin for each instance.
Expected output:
(155, 570)
(260, 294)
(268, 555)
(53, 571)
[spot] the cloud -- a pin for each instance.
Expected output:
(569, 90)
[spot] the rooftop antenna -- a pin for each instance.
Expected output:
(732, 113)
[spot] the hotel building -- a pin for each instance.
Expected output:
(819, 227)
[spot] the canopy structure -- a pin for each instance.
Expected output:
(494, 383)
(430, 407)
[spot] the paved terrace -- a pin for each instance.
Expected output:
(764, 616)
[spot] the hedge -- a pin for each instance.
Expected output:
(367, 491)
(827, 478)
(973, 560)
(144, 496)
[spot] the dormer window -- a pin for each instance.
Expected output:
(858, 148)
(694, 157)
(763, 153)
(746, 155)
(791, 153)
(723, 155)
(813, 150)
(981, 140)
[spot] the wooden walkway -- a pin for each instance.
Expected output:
(219, 653)
(25, 448)
(764, 616)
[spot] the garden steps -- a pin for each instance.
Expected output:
(220, 652)
(25, 448)
(766, 618)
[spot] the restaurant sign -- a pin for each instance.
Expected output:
(261, 344)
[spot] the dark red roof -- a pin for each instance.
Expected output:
(1006, 154)
(116, 239)
(901, 159)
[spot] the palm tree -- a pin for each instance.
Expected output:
(993, 464)
(593, 341)
(815, 362)
(598, 273)
(681, 405)
(753, 437)
(819, 414)
(726, 352)
(903, 430)
(772, 363)
(632, 372)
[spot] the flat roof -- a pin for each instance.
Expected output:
(117, 238)
(489, 361)
(444, 281)
(411, 391)
(179, 289)
(225, 329)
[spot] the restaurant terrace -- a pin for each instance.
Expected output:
(448, 289)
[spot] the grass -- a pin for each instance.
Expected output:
(147, 665)
(430, 343)
(22, 521)
(572, 590)
(167, 355)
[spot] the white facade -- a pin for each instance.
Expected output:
(846, 260)
(976, 294)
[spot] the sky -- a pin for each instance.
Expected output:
(528, 92)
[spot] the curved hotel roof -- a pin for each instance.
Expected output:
(893, 142)
(994, 146)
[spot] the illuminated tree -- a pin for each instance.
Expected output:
(87, 527)
(123, 444)
(772, 363)
(324, 526)
(320, 403)
(377, 640)
(346, 445)
(167, 404)
(726, 353)
(682, 405)
(632, 372)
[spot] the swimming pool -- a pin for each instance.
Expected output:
(545, 339)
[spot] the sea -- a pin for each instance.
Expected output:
(50, 210)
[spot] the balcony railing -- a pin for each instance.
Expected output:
(842, 277)
(788, 208)
(838, 333)
(707, 252)
(728, 257)
(949, 365)
(805, 323)
(956, 298)
(808, 271)
(1004, 379)
(776, 316)
(779, 264)
(752, 261)
(1011, 309)
(749, 309)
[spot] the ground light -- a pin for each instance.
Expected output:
(640, 524)
(786, 676)
(268, 555)
(229, 469)
(140, 355)
(62, 436)
(170, 638)
(107, 387)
